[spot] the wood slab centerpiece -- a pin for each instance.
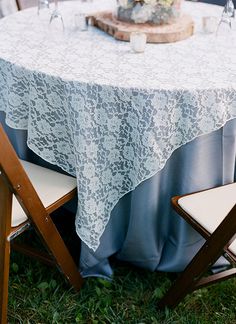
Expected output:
(161, 20)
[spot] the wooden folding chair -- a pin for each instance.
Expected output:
(23, 4)
(28, 194)
(18, 5)
(213, 214)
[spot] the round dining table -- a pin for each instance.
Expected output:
(133, 128)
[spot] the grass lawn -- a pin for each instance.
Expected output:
(39, 294)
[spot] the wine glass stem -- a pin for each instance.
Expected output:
(56, 5)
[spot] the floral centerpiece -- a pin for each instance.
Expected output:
(148, 11)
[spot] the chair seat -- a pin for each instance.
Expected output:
(50, 186)
(210, 207)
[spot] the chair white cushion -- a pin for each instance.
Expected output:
(210, 207)
(50, 186)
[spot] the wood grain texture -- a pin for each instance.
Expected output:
(179, 29)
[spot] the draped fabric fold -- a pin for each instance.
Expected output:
(111, 118)
(143, 228)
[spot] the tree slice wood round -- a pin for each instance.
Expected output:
(180, 29)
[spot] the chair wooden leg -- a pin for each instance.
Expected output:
(33, 253)
(187, 281)
(18, 5)
(213, 248)
(4, 277)
(58, 250)
(177, 291)
(5, 223)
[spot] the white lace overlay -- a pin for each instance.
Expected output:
(110, 117)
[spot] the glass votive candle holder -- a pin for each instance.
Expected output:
(209, 24)
(138, 41)
(43, 4)
(81, 22)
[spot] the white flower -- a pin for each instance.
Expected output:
(150, 2)
(141, 14)
(123, 3)
(166, 3)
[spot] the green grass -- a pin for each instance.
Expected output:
(38, 294)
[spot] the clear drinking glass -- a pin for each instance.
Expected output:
(227, 17)
(56, 15)
(209, 24)
(230, 8)
(42, 4)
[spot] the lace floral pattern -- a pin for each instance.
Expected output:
(105, 115)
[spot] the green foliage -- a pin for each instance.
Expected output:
(39, 295)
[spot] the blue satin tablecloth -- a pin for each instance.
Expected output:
(143, 228)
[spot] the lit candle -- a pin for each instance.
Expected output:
(209, 24)
(81, 22)
(138, 41)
